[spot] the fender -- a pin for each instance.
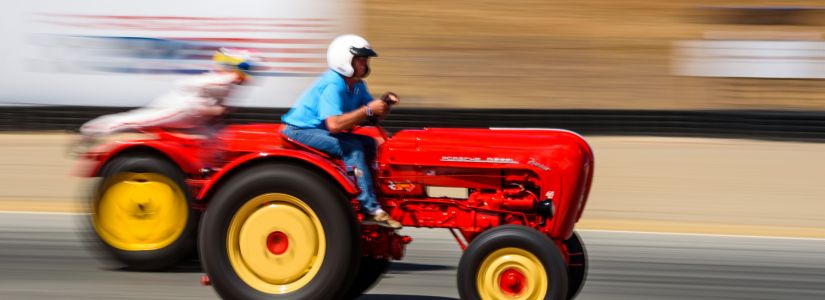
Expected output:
(184, 159)
(324, 164)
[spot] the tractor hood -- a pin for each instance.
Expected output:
(561, 159)
(537, 149)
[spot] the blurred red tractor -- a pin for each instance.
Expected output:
(283, 223)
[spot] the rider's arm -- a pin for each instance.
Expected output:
(345, 121)
(214, 89)
(377, 107)
(360, 115)
(336, 120)
(217, 90)
(212, 111)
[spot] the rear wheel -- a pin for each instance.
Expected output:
(142, 212)
(279, 231)
(577, 267)
(512, 262)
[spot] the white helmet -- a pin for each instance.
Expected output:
(343, 49)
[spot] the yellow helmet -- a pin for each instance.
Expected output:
(237, 59)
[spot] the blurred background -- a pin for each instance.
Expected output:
(624, 54)
(707, 119)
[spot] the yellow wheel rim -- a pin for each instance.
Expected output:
(140, 211)
(511, 273)
(276, 243)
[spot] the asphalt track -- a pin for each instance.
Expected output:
(689, 185)
(44, 256)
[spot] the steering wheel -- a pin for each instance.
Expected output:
(374, 121)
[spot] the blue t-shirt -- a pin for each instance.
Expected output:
(328, 96)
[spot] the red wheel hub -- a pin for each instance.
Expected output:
(512, 282)
(277, 243)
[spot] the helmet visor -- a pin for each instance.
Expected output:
(363, 52)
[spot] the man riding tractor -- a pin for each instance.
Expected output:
(335, 103)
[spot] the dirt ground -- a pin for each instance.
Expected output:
(694, 185)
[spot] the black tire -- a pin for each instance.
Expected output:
(577, 268)
(168, 256)
(513, 237)
(369, 274)
(328, 202)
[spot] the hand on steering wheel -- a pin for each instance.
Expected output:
(382, 107)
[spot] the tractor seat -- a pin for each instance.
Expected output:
(301, 146)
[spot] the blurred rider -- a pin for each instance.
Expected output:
(335, 103)
(194, 103)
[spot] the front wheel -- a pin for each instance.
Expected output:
(279, 231)
(577, 267)
(512, 262)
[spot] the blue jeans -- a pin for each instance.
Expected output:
(356, 150)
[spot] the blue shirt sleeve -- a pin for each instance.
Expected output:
(365, 96)
(331, 103)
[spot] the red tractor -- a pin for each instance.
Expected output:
(283, 223)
